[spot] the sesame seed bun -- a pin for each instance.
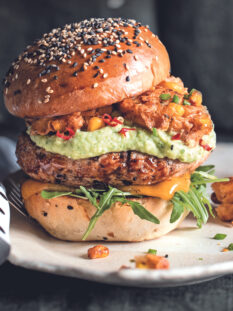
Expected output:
(84, 66)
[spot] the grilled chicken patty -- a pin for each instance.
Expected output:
(117, 168)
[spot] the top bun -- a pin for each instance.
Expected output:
(84, 66)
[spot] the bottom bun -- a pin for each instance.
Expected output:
(67, 218)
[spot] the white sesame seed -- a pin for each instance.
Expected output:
(95, 85)
(44, 80)
(28, 81)
(105, 75)
(101, 70)
(6, 91)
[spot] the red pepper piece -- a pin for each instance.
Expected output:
(66, 137)
(111, 121)
(176, 137)
(124, 130)
(206, 147)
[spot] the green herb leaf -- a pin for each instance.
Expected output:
(139, 210)
(176, 99)
(191, 92)
(155, 133)
(165, 96)
(89, 196)
(186, 103)
(178, 208)
(230, 247)
(196, 199)
(219, 236)
(53, 194)
(152, 251)
(104, 204)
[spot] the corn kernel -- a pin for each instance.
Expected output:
(173, 86)
(175, 109)
(56, 125)
(196, 98)
(95, 123)
(205, 122)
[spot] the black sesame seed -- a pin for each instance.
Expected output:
(96, 75)
(70, 207)
(101, 61)
(128, 43)
(172, 147)
(129, 51)
(108, 56)
(74, 64)
(75, 74)
(96, 67)
(55, 77)
(45, 214)
(7, 84)
(17, 92)
(127, 78)
(166, 256)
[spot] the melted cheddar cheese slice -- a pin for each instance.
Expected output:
(164, 190)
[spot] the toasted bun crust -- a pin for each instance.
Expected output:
(67, 218)
(57, 75)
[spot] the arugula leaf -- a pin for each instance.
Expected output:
(138, 210)
(178, 208)
(105, 203)
(196, 199)
(55, 194)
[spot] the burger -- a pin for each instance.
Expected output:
(113, 142)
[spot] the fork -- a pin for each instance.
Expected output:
(4, 225)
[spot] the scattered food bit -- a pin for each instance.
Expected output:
(152, 251)
(151, 261)
(132, 260)
(124, 267)
(229, 248)
(219, 236)
(200, 258)
(98, 251)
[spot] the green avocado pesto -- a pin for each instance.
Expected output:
(107, 139)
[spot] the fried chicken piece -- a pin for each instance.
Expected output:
(74, 121)
(225, 211)
(162, 108)
(223, 194)
(224, 191)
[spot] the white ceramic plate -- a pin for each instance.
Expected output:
(193, 254)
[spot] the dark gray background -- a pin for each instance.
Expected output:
(198, 35)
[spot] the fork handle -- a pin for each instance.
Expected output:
(4, 225)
